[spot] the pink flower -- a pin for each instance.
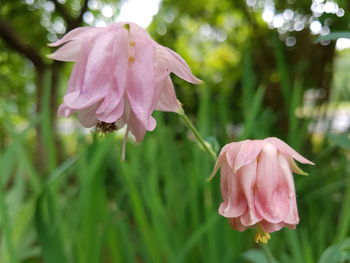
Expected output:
(257, 185)
(120, 77)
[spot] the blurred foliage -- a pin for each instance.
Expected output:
(65, 195)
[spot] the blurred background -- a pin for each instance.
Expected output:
(271, 68)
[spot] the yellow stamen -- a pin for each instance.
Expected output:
(131, 59)
(132, 43)
(261, 236)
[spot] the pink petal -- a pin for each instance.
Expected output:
(247, 175)
(136, 128)
(113, 104)
(76, 80)
(87, 116)
(138, 32)
(287, 150)
(248, 152)
(227, 156)
(235, 204)
(292, 217)
(79, 33)
(112, 115)
(141, 87)
(269, 227)
(271, 193)
(69, 52)
(179, 66)
(231, 151)
(101, 60)
(65, 111)
(236, 224)
(83, 99)
(167, 100)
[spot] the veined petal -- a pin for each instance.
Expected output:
(79, 33)
(167, 100)
(227, 154)
(83, 99)
(178, 65)
(87, 116)
(230, 151)
(269, 227)
(235, 205)
(112, 115)
(112, 106)
(236, 224)
(247, 177)
(136, 128)
(68, 52)
(287, 150)
(271, 197)
(100, 62)
(76, 80)
(292, 217)
(248, 152)
(138, 32)
(141, 88)
(65, 111)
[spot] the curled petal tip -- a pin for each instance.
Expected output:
(296, 168)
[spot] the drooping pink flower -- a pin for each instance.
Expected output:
(257, 185)
(119, 78)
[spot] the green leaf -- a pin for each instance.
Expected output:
(337, 254)
(341, 140)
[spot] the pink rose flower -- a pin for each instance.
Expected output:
(257, 185)
(119, 78)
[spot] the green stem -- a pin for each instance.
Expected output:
(268, 254)
(206, 146)
(344, 222)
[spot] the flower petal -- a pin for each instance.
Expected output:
(68, 52)
(271, 195)
(236, 224)
(247, 175)
(87, 116)
(248, 152)
(136, 128)
(167, 100)
(101, 61)
(287, 150)
(269, 227)
(112, 114)
(79, 33)
(83, 99)
(179, 66)
(141, 88)
(292, 217)
(234, 204)
(65, 111)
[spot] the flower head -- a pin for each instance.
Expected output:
(119, 78)
(257, 185)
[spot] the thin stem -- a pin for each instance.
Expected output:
(343, 225)
(268, 253)
(206, 146)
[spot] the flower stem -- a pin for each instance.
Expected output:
(206, 146)
(268, 253)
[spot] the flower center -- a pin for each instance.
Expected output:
(104, 127)
(261, 236)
